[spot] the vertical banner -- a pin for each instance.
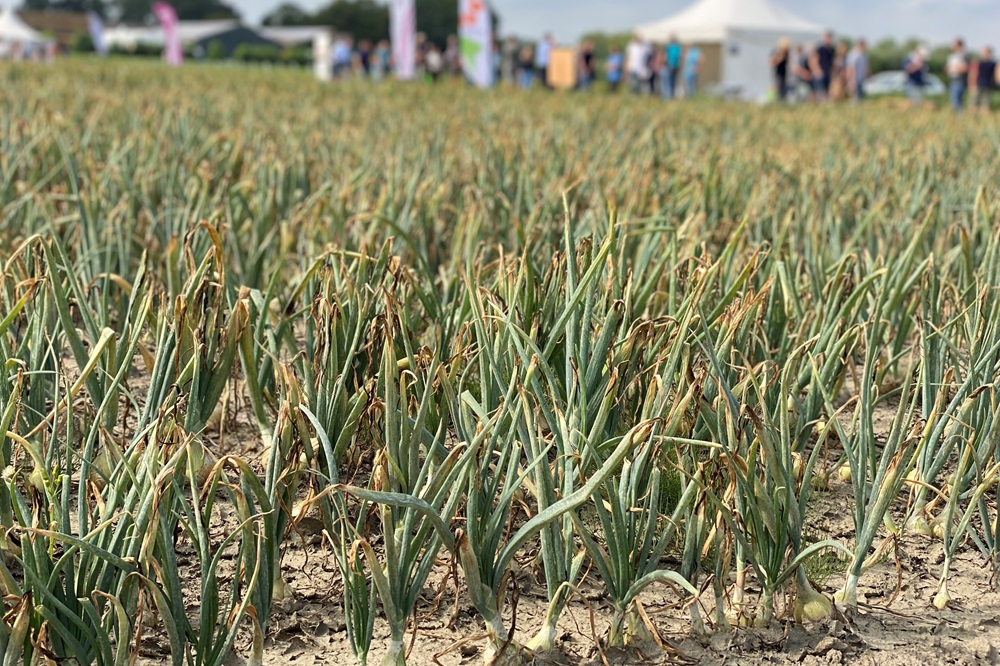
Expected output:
(403, 34)
(475, 34)
(173, 52)
(323, 56)
(96, 28)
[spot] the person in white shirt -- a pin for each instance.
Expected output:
(957, 69)
(542, 56)
(637, 63)
(858, 69)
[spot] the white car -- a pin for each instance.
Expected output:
(894, 83)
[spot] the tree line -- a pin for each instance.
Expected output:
(369, 19)
(364, 19)
(137, 11)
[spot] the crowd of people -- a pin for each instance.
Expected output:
(978, 75)
(667, 70)
(833, 71)
(803, 73)
(374, 60)
(17, 51)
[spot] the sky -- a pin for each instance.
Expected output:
(936, 21)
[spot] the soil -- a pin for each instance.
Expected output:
(896, 624)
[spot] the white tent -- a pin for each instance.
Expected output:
(15, 31)
(744, 32)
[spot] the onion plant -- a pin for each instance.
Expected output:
(408, 467)
(638, 521)
(878, 471)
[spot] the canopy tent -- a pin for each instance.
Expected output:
(15, 31)
(737, 37)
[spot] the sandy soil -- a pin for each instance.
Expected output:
(896, 625)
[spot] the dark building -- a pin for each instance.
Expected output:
(226, 42)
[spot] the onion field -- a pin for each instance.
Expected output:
(490, 377)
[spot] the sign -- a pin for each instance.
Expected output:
(475, 39)
(173, 52)
(403, 34)
(562, 68)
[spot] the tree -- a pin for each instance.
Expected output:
(363, 19)
(141, 11)
(203, 10)
(75, 6)
(368, 19)
(888, 54)
(604, 42)
(438, 19)
(288, 13)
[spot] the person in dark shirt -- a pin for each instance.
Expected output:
(915, 67)
(586, 65)
(526, 67)
(983, 79)
(826, 54)
(779, 63)
(364, 54)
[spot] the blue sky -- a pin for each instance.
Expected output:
(934, 20)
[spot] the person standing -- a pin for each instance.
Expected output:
(452, 57)
(380, 60)
(826, 54)
(915, 67)
(693, 60)
(586, 74)
(984, 78)
(526, 68)
(637, 63)
(858, 70)
(613, 68)
(957, 69)
(839, 89)
(779, 64)
(674, 52)
(802, 70)
(342, 57)
(363, 59)
(508, 61)
(654, 63)
(542, 55)
(434, 62)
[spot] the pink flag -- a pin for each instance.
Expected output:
(173, 53)
(403, 33)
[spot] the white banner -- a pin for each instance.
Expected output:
(475, 35)
(403, 34)
(96, 27)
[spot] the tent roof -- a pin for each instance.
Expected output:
(293, 35)
(712, 20)
(195, 31)
(13, 29)
(190, 32)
